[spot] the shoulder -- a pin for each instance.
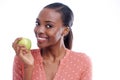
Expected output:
(80, 57)
(35, 52)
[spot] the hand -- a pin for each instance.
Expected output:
(23, 53)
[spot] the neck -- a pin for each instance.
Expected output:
(53, 53)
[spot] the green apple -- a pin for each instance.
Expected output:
(26, 42)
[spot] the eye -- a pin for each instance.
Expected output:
(37, 23)
(49, 26)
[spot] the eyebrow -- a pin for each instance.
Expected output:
(37, 19)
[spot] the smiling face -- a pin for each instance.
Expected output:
(49, 28)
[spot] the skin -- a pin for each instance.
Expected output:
(49, 31)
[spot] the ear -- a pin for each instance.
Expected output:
(65, 31)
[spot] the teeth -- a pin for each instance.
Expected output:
(42, 38)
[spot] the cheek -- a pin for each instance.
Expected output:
(57, 35)
(35, 29)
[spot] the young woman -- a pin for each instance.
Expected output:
(54, 60)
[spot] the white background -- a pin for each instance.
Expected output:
(96, 32)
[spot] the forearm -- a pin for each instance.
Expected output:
(28, 73)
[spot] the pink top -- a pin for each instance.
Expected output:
(74, 66)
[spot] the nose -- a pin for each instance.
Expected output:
(40, 29)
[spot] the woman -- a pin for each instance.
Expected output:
(54, 60)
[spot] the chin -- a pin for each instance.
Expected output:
(41, 46)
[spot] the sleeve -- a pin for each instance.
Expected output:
(18, 69)
(87, 72)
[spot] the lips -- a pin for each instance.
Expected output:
(41, 38)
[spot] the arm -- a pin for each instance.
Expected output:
(87, 72)
(23, 63)
(17, 69)
(28, 73)
(20, 72)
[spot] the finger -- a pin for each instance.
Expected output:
(22, 50)
(19, 48)
(16, 42)
(22, 53)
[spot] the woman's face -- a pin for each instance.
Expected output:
(49, 28)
